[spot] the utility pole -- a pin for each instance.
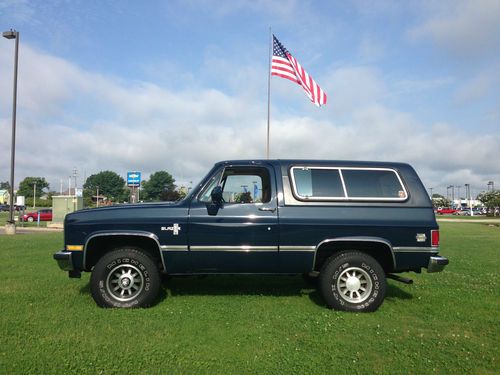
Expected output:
(10, 227)
(34, 194)
(75, 174)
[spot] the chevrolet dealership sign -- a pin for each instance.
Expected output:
(133, 178)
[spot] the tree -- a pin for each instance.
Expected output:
(159, 183)
(110, 185)
(4, 185)
(490, 199)
(170, 196)
(439, 201)
(26, 186)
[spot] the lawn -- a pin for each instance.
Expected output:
(444, 323)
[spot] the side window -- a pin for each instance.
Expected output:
(205, 195)
(341, 183)
(318, 183)
(362, 183)
(246, 185)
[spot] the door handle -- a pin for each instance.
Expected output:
(270, 209)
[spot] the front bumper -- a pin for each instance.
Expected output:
(64, 260)
(437, 263)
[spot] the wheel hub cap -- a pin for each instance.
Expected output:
(354, 284)
(125, 282)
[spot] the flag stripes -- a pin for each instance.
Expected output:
(284, 65)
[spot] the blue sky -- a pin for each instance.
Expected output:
(178, 85)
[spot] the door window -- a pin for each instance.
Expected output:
(241, 185)
(246, 185)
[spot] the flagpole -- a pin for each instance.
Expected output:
(269, 92)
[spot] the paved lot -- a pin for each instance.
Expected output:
(495, 221)
(27, 230)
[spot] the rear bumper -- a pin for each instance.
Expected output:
(437, 263)
(64, 260)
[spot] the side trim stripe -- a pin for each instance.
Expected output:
(404, 249)
(174, 248)
(234, 248)
(298, 248)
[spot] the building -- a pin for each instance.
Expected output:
(4, 196)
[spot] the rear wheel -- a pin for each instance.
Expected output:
(352, 281)
(125, 278)
(30, 219)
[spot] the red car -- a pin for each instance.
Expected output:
(45, 215)
(445, 211)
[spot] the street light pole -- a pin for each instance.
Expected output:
(12, 34)
(34, 195)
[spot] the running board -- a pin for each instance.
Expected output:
(399, 278)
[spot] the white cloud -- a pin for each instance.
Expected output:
(483, 84)
(353, 86)
(69, 117)
(468, 29)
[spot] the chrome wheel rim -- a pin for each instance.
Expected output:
(125, 282)
(354, 285)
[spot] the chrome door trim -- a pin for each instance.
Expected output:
(243, 248)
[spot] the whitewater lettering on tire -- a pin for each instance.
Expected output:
(126, 277)
(360, 277)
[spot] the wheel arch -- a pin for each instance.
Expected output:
(379, 248)
(99, 244)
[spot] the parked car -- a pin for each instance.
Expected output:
(445, 211)
(461, 212)
(475, 212)
(45, 215)
(350, 224)
(5, 207)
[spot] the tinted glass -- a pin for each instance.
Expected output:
(246, 185)
(243, 189)
(320, 183)
(372, 184)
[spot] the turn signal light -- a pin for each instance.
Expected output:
(435, 237)
(74, 247)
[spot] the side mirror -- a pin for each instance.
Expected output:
(217, 201)
(216, 196)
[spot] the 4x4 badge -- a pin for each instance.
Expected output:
(174, 228)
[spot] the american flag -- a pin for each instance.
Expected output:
(286, 66)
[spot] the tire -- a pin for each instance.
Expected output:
(30, 219)
(125, 278)
(352, 281)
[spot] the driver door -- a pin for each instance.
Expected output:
(241, 234)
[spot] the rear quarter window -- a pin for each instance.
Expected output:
(331, 183)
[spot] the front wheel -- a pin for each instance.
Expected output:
(352, 281)
(125, 278)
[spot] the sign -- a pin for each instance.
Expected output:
(133, 178)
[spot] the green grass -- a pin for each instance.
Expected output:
(445, 323)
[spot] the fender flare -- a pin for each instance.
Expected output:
(143, 234)
(357, 239)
